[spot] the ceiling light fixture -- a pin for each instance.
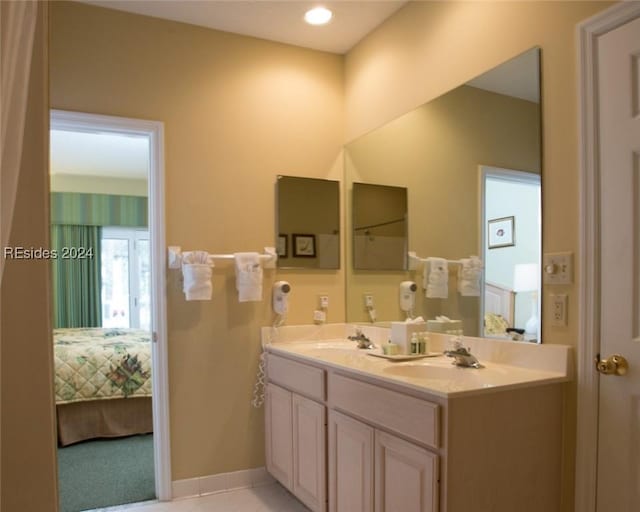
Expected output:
(318, 16)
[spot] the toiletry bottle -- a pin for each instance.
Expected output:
(415, 344)
(424, 343)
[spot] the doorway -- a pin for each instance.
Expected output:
(511, 227)
(119, 314)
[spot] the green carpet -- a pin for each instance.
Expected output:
(106, 472)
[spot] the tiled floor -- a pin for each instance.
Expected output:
(267, 498)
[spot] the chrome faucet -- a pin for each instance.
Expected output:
(462, 357)
(363, 341)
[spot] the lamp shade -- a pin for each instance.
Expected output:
(525, 277)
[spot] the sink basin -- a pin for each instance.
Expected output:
(455, 377)
(415, 371)
(334, 344)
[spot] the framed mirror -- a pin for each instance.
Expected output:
(471, 164)
(307, 223)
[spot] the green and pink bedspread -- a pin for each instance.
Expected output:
(98, 364)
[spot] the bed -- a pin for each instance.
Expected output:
(102, 383)
(499, 309)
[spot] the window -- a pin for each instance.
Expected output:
(126, 278)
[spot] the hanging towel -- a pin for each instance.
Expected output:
(469, 275)
(248, 276)
(196, 274)
(436, 278)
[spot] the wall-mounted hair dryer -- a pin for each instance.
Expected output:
(281, 291)
(408, 296)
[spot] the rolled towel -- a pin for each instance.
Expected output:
(248, 276)
(469, 276)
(196, 273)
(436, 278)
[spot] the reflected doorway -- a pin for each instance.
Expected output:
(511, 227)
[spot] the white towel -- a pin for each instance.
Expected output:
(196, 274)
(436, 278)
(469, 275)
(248, 276)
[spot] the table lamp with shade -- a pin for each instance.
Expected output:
(526, 279)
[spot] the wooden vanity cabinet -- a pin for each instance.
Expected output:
(309, 452)
(374, 471)
(279, 434)
(406, 476)
(386, 449)
(351, 470)
(296, 445)
(296, 430)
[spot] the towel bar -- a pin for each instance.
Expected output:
(175, 257)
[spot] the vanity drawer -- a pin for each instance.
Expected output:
(301, 378)
(409, 416)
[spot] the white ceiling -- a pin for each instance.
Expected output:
(276, 21)
(99, 154)
(519, 77)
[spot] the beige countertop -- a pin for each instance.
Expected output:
(507, 365)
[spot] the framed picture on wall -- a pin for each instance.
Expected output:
(502, 232)
(304, 246)
(282, 248)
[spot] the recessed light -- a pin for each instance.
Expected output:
(318, 16)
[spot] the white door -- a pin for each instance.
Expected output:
(618, 60)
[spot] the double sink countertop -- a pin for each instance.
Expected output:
(507, 364)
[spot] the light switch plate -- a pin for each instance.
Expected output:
(558, 268)
(323, 301)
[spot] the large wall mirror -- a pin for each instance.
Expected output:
(470, 161)
(308, 223)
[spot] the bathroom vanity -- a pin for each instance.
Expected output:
(349, 432)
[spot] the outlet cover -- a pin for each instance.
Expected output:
(559, 310)
(319, 317)
(323, 300)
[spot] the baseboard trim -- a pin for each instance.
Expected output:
(211, 484)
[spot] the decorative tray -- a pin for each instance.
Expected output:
(405, 357)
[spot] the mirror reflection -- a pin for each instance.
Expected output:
(470, 161)
(379, 227)
(308, 223)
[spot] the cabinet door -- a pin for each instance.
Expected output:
(278, 434)
(309, 453)
(350, 464)
(406, 476)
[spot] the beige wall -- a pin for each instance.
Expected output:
(428, 48)
(237, 111)
(435, 151)
(28, 436)
(98, 185)
(233, 109)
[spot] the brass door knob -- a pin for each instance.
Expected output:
(614, 365)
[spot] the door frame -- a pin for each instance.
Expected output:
(154, 130)
(513, 176)
(587, 34)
